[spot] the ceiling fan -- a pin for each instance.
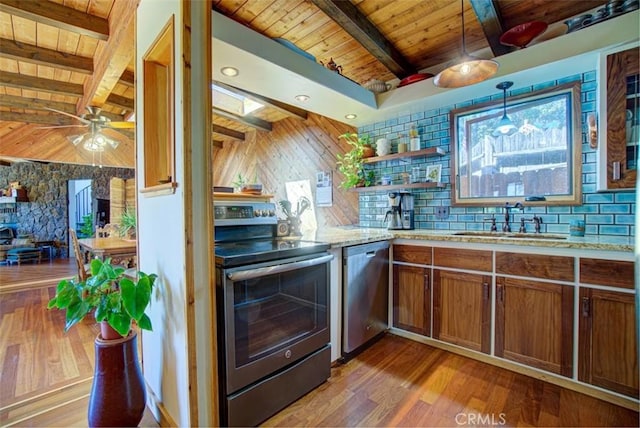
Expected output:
(93, 120)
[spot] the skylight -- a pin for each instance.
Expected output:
(233, 103)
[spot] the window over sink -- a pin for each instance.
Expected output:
(540, 161)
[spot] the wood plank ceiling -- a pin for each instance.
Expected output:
(69, 54)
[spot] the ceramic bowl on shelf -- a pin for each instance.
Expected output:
(377, 86)
(521, 35)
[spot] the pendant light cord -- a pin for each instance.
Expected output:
(464, 50)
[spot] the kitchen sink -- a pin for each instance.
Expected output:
(510, 235)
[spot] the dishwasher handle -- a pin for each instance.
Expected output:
(273, 270)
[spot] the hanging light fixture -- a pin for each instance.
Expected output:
(505, 126)
(466, 71)
(93, 141)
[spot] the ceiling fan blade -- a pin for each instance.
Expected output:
(121, 125)
(85, 121)
(61, 126)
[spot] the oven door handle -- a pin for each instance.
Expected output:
(272, 270)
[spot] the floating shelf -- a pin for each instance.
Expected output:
(431, 151)
(428, 185)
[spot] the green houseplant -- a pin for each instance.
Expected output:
(351, 163)
(117, 301)
(107, 293)
(128, 223)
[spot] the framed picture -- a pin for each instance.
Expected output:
(434, 172)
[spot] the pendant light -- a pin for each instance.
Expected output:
(505, 126)
(466, 71)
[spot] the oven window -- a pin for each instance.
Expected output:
(275, 311)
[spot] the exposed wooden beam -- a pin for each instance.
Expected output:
(287, 109)
(40, 119)
(22, 81)
(360, 28)
(488, 14)
(120, 101)
(253, 122)
(127, 79)
(59, 16)
(231, 133)
(43, 56)
(35, 104)
(112, 58)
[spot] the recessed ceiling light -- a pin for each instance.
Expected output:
(229, 71)
(351, 116)
(302, 98)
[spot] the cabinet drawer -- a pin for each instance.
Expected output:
(537, 266)
(463, 259)
(412, 254)
(613, 273)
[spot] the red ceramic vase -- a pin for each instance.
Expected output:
(118, 394)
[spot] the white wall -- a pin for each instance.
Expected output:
(161, 238)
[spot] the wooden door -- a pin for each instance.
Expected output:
(412, 299)
(622, 106)
(534, 324)
(608, 347)
(462, 309)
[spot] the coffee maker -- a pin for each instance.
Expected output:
(400, 213)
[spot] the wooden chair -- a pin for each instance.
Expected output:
(83, 269)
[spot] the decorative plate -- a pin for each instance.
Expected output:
(522, 34)
(414, 78)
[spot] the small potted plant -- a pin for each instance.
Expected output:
(351, 163)
(116, 302)
(128, 224)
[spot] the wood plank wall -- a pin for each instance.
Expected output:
(293, 150)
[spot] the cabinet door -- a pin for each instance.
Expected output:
(462, 309)
(412, 299)
(534, 324)
(623, 123)
(608, 347)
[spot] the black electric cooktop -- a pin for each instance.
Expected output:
(250, 251)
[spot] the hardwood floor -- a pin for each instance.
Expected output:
(46, 378)
(398, 382)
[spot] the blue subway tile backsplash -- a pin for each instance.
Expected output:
(605, 213)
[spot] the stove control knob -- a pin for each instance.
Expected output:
(265, 213)
(257, 213)
(272, 213)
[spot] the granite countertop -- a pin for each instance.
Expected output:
(352, 235)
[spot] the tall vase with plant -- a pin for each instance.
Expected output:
(351, 163)
(118, 393)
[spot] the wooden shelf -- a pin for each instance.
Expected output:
(431, 151)
(429, 185)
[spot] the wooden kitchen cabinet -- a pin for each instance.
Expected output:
(462, 309)
(412, 288)
(534, 324)
(608, 347)
(622, 116)
(412, 299)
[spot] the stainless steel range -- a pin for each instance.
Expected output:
(273, 313)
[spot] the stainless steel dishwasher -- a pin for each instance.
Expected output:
(365, 285)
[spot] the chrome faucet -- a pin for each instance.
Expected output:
(506, 227)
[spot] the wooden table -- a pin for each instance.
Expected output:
(121, 251)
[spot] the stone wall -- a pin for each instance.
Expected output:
(45, 215)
